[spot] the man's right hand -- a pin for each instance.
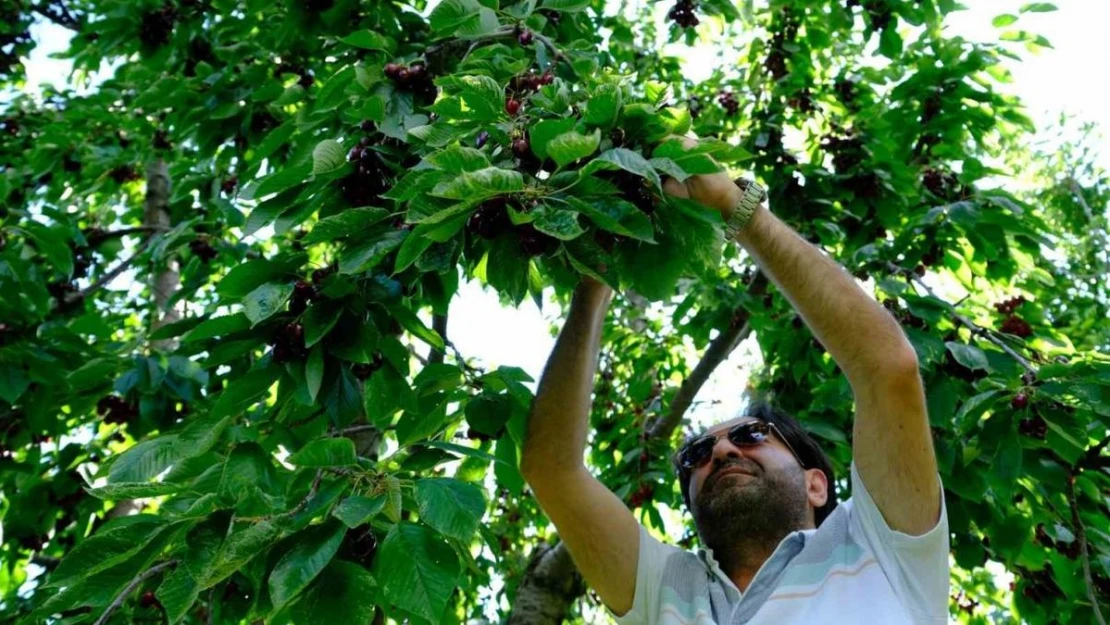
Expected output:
(599, 531)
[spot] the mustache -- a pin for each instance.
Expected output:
(746, 466)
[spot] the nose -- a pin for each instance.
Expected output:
(724, 450)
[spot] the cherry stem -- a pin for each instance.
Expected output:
(140, 578)
(1084, 553)
(976, 329)
(511, 31)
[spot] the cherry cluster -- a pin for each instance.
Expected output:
(642, 494)
(940, 183)
(632, 188)
(879, 12)
(492, 218)
(365, 370)
(682, 13)
(524, 36)
(361, 545)
(203, 250)
(1017, 326)
(801, 101)
(369, 180)
(904, 316)
(414, 78)
(156, 26)
(1034, 427)
(1068, 549)
(116, 410)
(124, 173)
(847, 151)
(728, 101)
(288, 343)
(522, 84)
(845, 89)
(228, 185)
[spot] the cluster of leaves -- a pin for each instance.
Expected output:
(312, 177)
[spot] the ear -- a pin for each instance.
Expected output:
(817, 487)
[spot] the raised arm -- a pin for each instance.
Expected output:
(599, 531)
(892, 444)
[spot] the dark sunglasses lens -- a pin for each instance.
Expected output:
(747, 434)
(696, 453)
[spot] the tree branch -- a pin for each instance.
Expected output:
(718, 351)
(140, 578)
(62, 18)
(111, 275)
(1084, 552)
(99, 236)
(964, 321)
(439, 324)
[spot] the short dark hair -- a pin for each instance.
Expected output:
(807, 448)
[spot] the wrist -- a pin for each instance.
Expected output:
(747, 198)
(743, 237)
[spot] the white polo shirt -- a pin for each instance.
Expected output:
(853, 570)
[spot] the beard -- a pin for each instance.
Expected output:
(741, 517)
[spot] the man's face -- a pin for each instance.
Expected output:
(758, 492)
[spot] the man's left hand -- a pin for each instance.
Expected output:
(716, 191)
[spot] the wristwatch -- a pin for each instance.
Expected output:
(753, 194)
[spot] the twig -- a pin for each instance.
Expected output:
(1077, 190)
(353, 430)
(439, 325)
(967, 323)
(311, 493)
(96, 238)
(111, 275)
(1084, 553)
(140, 578)
(211, 602)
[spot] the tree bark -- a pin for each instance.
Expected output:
(552, 582)
(156, 216)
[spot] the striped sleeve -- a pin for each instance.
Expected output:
(917, 566)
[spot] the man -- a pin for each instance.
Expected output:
(779, 549)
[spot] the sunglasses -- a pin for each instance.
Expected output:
(749, 434)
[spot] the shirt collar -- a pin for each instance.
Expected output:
(783, 554)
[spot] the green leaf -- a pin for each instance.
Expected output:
(312, 550)
(621, 158)
(418, 570)
(319, 319)
(571, 146)
(244, 278)
(1038, 7)
(52, 243)
(350, 222)
(280, 181)
(413, 324)
(356, 510)
(327, 157)
(143, 461)
(177, 593)
(218, 326)
(545, 131)
(244, 391)
(565, 6)
(370, 40)
(478, 185)
(358, 257)
(890, 42)
(13, 382)
(326, 452)
(114, 543)
(314, 371)
(458, 160)
(604, 105)
(342, 593)
(240, 548)
(559, 223)
(133, 490)
(969, 356)
(263, 302)
(452, 507)
(616, 215)
(413, 246)
(1004, 20)
(278, 137)
(489, 412)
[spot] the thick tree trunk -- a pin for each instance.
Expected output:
(551, 584)
(165, 283)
